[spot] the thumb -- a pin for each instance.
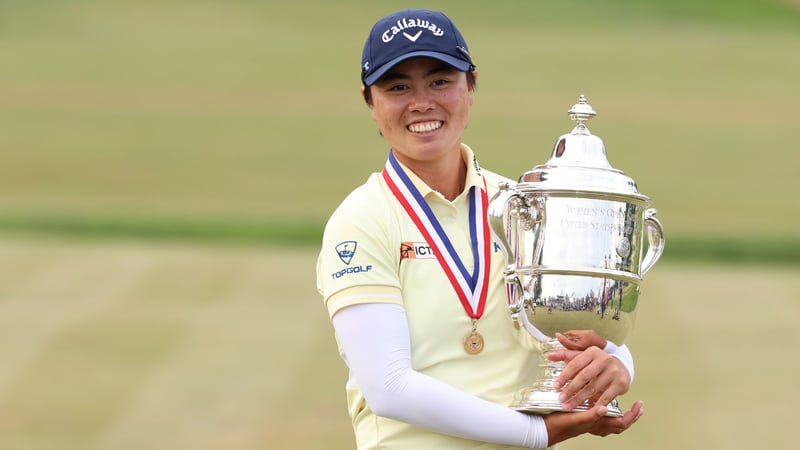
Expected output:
(600, 411)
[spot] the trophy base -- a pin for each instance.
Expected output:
(541, 398)
(543, 403)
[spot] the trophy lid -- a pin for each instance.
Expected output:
(579, 163)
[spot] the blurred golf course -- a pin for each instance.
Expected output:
(167, 167)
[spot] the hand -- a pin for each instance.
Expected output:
(562, 426)
(589, 374)
(580, 339)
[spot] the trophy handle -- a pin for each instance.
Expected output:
(497, 213)
(506, 203)
(655, 239)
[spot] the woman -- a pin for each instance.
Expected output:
(413, 283)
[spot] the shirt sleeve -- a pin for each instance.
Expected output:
(375, 344)
(360, 254)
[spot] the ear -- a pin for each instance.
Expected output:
(364, 96)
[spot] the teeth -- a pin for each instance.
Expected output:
(425, 127)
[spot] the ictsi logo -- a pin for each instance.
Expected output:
(416, 250)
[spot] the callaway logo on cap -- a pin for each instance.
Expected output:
(412, 33)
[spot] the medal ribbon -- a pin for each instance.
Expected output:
(471, 288)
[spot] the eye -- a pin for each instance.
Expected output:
(397, 88)
(440, 83)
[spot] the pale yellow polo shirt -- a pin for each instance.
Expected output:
(373, 253)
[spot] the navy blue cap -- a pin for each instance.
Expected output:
(409, 34)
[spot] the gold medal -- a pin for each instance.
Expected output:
(473, 343)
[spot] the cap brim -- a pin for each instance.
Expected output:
(459, 64)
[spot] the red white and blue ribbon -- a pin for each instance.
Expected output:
(471, 287)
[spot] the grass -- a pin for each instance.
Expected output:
(205, 115)
(130, 345)
(104, 341)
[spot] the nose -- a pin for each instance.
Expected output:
(421, 100)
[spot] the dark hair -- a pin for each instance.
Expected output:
(471, 82)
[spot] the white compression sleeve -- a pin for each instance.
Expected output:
(621, 353)
(376, 346)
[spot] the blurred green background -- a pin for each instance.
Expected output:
(166, 168)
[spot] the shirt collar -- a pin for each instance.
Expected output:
(474, 175)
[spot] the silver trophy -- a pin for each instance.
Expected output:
(573, 233)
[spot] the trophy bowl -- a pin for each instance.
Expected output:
(574, 232)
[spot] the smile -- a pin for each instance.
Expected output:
(425, 127)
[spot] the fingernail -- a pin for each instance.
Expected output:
(562, 397)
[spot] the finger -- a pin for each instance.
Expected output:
(602, 379)
(636, 411)
(576, 362)
(569, 342)
(601, 411)
(580, 371)
(619, 424)
(573, 335)
(608, 386)
(612, 382)
(611, 379)
(563, 355)
(590, 391)
(609, 393)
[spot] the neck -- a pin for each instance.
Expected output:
(445, 175)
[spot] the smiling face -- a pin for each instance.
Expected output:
(422, 107)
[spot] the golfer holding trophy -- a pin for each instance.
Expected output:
(573, 231)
